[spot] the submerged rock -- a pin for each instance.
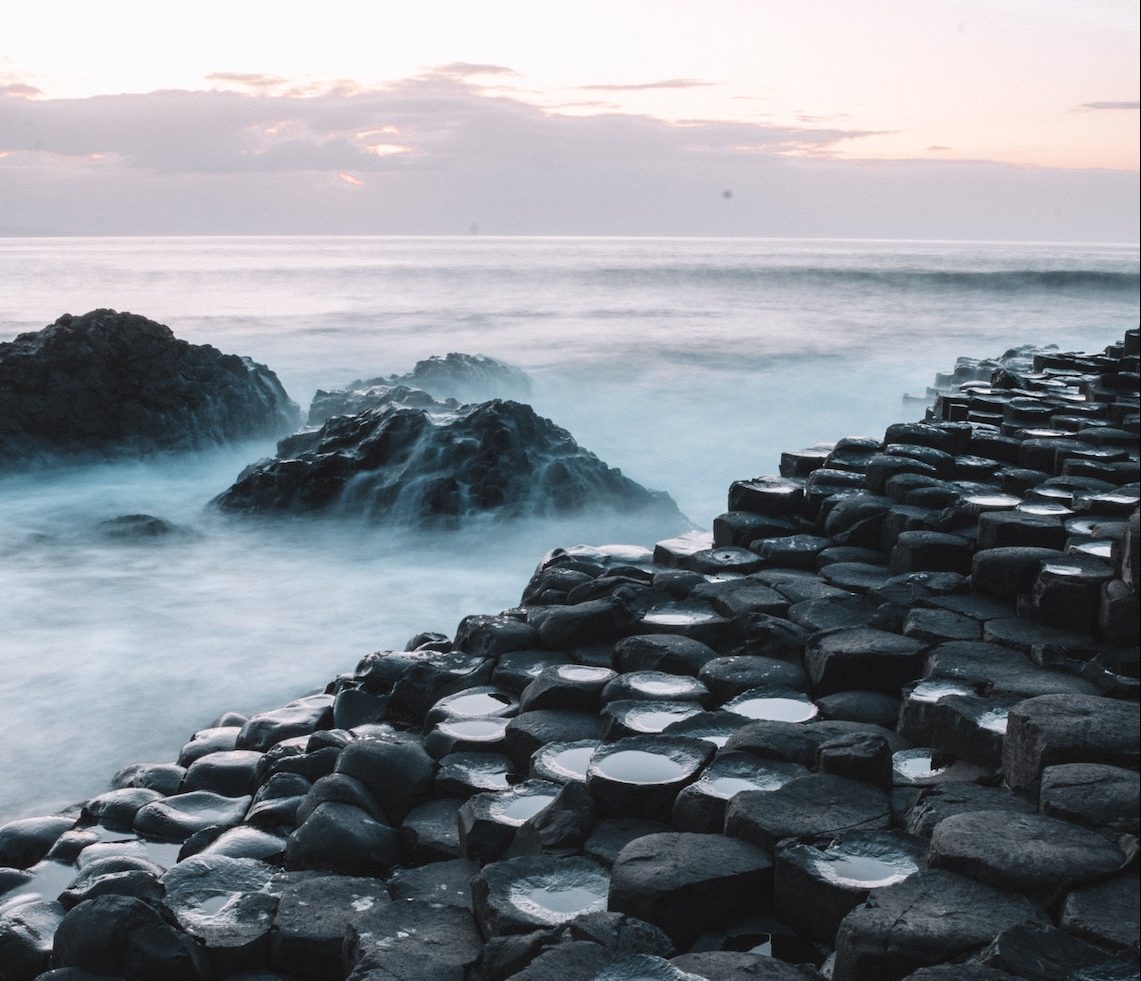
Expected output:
(109, 383)
(463, 377)
(421, 466)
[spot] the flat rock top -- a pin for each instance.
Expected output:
(1023, 852)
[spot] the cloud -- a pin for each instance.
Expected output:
(249, 80)
(668, 83)
(437, 153)
(19, 90)
(1110, 105)
(465, 69)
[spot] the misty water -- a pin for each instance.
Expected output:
(687, 363)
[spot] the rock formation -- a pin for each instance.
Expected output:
(107, 384)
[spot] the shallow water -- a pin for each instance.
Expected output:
(687, 363)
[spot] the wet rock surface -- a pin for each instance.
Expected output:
(881, 723)
(427, 466)
(108, 383)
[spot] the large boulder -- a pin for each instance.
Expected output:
(433, 465)
(464, 377)
(113, 383)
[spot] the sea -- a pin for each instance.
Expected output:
(687, 363)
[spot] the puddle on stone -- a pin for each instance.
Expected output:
(661, 683)
(919, 764)
(680, 615)
(48, 880)
(1048, 508)
(993, 720)
(480, 771)
(863, 866)
(932, 689)
(556, 898)
(163, 853)
(213, 905)
(583, 673)
(639, 766)
(475, 703)
(564, 761)
(517, 810)
(1097, 549)
(653, 717)
(478, 730)
(771, 708)
(992, 502)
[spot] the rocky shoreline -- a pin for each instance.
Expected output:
(882, 723)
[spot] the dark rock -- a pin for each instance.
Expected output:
(439, 882)
(931, 551)
(119, 935)
(110, 382)
(529, 892)
(574, 960)
(1105, 913)
(819, 883)
(611, 835)
(515, 670)
(700, 807)
(165, 778)
(529, 731)
(397, 773)
(431, 676)
(1005, 529)
(487, 822)
(26, 931)
(662, 652)
(177, 818)
(738, 597)
(640, 776)
(742, 527)
(243, 842)
(215, 739)
(619, 933)
(313, 915)
(873, 707)
(1006, 572)
(862, 658)
(970, 727)
(25, 841)
(1040, 856)
(731, 965)
(770, 636)
(224, 904)
(1052, 729)
(686, 883)
(1042, 953)
(412, 941)
(297, 718)
(339, 788)
(927, 919)
(431, 832)
(137, 883)
(466, 773)
(229, 774)
(490, 636)
(344, 839)
(575, 687)
(1093, 795)
(727, 677)
(135, 528)
(807, 807)
(833, 613)
(999, 671)
(116, 809)
(423, 466)
(859, 756)
(856, 577)
(792, 551)
(777, 497)
(940, 626)
(792, 742)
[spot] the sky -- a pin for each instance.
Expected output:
(975, 119)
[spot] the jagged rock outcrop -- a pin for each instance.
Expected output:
(109, 383)
(463, 377)
(438, 464)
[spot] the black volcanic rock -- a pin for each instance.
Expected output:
(113, 383)
(463, 377)
(418, 466)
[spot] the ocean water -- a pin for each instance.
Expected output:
(687, 363)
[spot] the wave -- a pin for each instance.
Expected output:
(990, 280)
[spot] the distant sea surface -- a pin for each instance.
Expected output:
(688, 363)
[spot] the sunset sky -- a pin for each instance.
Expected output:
(886, 118)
